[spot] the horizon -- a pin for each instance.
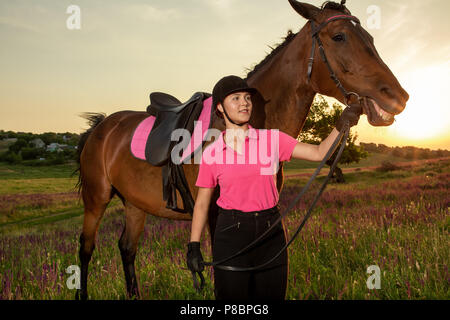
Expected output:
(357, 142)
(122, 52)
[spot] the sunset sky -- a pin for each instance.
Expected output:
(126, 49)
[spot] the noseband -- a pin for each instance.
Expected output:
(316, 39)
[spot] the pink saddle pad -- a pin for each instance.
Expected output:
(142, 131)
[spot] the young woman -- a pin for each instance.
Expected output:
(248, 202)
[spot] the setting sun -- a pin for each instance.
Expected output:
(425, 117)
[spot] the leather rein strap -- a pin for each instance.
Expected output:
(342, 137)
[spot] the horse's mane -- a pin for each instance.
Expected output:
(290, 36)
(335, 6)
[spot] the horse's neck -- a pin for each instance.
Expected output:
(283, 84)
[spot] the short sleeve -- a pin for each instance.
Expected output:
(286, 146)
(207, 177)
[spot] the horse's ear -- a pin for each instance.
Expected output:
(306, 10)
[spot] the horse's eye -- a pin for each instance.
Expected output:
(340, 37)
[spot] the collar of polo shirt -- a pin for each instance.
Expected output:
(252, 134)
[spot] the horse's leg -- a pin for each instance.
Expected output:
(134, 225)
(95, 204)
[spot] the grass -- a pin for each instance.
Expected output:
(22, 172)
(401, 226)
(32, 192)
(396, 220)
(37, 185)
(373, 160)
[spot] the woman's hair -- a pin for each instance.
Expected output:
(218, 113)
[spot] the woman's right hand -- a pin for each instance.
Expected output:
(194, 257)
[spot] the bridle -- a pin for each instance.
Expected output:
(316, 39)
(343, 135)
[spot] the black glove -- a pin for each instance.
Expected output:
(350, 115)
(194, 257)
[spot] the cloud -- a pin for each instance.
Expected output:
(224, 9)
(15, 23)
(409, 36)
(397, 20)
(151, 13)
(25, 17)
(219, 4)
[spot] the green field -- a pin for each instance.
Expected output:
(397, 220)
(375, 159)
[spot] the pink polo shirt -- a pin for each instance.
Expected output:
(247, 180)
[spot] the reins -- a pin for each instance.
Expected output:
(342, 137)
(338, 139)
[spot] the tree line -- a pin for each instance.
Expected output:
(408, 152)
(34, 149)
(20, 147)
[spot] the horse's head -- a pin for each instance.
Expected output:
(354, 59)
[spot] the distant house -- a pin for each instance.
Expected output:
(52, 147)
(10, 140)
(38, 143)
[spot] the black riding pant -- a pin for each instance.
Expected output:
(235, 230)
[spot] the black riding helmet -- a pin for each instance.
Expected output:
(227, 86)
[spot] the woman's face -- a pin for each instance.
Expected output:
(238, 106)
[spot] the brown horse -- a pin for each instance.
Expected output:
(107, 167)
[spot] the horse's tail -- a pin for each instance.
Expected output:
(93, 119)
